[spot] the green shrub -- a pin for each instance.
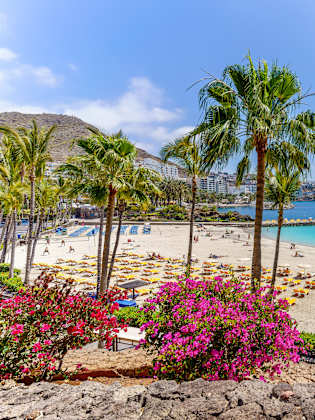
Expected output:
(132, 316)
(4, 267)
(14, 284)
(309, 340)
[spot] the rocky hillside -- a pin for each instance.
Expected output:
(68, 129)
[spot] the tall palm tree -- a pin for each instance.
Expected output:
(252, 107)
(33, 150)
(12, 196)
(193, 154)
(141, 183)
(46, 196)
(113, 155)
(285, 166)
(83, 174)
(107, 158)
(280, 189)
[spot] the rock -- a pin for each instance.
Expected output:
(244, 412)
(282, 391)
(248, 391)
(275, 408)
(167, 400)
(308, 408)
(295, 414)
(162, 388)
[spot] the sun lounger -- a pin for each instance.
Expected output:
(79, 231)
(134, 230)
(301, 292)
(126, 303)
(93, 231)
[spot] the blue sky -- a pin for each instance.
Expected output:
(127, 64)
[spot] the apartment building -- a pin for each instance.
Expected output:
(165, 169)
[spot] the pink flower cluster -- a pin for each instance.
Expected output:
(218, 330)
(40, 324)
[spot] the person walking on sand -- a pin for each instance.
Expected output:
(71, 249)
(63, 242)
(46, 251)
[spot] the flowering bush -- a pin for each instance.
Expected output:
(40, 324)
(217, 330)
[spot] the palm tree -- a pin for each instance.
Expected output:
(83, 174)
(46, 196)
(181, 190)
(12, 196)
(107, 158)
(285, 166)
(33, 151)
(280, 189)
(113, 154)
(140, 184)
(193, 154)
(252, 107)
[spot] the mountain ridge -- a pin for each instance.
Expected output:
(68, 129)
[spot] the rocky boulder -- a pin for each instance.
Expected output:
(160, 400)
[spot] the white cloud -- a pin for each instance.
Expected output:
(44, 75)
(140, 112)
(7, 106)
(26, 73)
(7, 55)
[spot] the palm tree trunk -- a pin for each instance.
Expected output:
(4, 229)
(256, 260)
(11, 271)
(191, 228)
(99, 248)
(275, 261)
(109, 223)
(31, 222)
(121, 209)
(37, 233)
(6, 240)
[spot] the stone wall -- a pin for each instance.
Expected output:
(250, 400)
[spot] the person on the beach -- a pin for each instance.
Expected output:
(47, 240)
(46, 251)
(63, 242)
(71, 249)
(292, 245)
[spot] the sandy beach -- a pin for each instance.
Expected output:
(171, 241)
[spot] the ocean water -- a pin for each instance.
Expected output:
(297, 234)
(302, 210)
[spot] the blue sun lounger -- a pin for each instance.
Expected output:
(134, 230)
(78, 232)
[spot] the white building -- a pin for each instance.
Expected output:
(165, 169)
(214, 183)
